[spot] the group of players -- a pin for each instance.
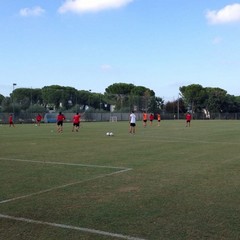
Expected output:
(151, 118)
(76, 122)
(132, 120)
(77, 117)
(60, 119)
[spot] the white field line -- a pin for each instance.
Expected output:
(65, 185)
(92, 231)
(61, 163)
(87, 230)
(189, 141)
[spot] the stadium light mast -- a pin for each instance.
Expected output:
(14, 84)
(89, 98)
(178, 108)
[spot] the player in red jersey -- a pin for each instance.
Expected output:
(38, 119)
(188, 119)
(76, 122)
(151, 118)
(60, 119)
(10, 120)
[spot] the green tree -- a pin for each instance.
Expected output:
(118, 94)
(171, 107)
(59, 97)
(36, 108)
(142, 91)
(7, 104)
(26, 97)
(159, 104)
(194, 97)
(84, 98)
(147, 101)
(1, 98)
(119, 89)
(95, 100)
(232, 104)
(128, 96)
(216, 99)
(175, 106)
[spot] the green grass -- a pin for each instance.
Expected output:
(179, 183)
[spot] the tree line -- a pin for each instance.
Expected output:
(124, 97)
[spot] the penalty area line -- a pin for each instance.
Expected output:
(65, 185)
(61, 163)
(87, 230)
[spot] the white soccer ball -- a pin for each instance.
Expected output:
(108, 134)
(111, 134)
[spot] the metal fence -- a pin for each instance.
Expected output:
(104, 117)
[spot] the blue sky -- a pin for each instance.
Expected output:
(91, 44)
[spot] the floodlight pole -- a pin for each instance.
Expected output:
(76, 103)
(89, 98)
(178, 108)
(14, 84)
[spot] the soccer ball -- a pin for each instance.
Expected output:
(108, 134)
(111, 134)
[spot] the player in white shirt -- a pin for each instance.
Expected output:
(132, 121)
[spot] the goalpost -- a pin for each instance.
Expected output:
(113, 119)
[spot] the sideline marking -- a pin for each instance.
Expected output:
(88, 230)
(62, 163)
(63, 186)
(120, 170)
(92, 231)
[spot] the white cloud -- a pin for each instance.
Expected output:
(35, 11)
(106, 67)
(80, 6)
(228, 14)
(217, 40)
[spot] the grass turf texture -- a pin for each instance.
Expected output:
(184, 182)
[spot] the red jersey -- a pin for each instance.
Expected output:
(151, 117)
(10, 119)
(39, 118)
(60, 117)
(76, 118)
(188, 117)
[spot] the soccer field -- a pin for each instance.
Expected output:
(166, 182)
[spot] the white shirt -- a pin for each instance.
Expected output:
(132, 118)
